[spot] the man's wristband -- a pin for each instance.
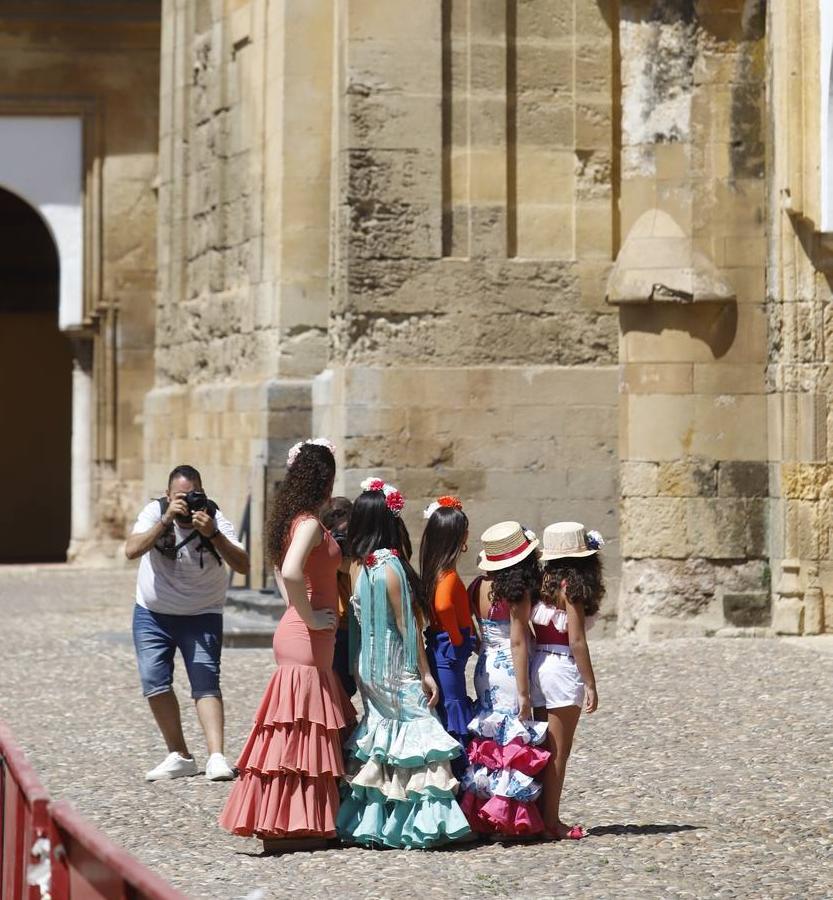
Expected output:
(216, 532)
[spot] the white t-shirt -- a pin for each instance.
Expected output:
(179, 586)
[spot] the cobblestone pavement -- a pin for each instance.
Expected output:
(705, 773)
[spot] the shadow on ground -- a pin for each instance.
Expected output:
(602, 830)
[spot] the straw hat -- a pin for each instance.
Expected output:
(569, 539)
(504, 545)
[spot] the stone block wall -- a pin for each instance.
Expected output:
(693, 437)
(470, 346)
(533, 443)
(238, 436)
(244, 235)
(396, 222)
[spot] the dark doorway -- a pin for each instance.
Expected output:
(35, 391)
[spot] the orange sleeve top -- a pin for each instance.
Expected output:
(451, 607)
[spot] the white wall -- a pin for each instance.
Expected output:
(41, 161)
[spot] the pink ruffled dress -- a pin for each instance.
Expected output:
(292, 761)
(500, 785)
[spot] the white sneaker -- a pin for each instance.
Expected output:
(217, 769)
(173, 766)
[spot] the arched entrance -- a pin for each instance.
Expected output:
(35, 391)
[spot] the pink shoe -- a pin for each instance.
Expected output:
(576, 833)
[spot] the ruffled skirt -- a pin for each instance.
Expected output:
(448, 665)
(499, 785)
(400, 784)
(455, 709)
(292, 760)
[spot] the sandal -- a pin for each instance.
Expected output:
(576, 833)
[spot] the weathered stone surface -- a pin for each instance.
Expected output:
(653, 527)
(743, 479)
(442, 190)
(662, 628)
(813, 611)
(746, 610)
(687, 478)
(685, 589)
(674, 589)
(424, 427)
(639, 479)
(788, 616)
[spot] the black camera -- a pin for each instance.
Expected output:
(197, 501)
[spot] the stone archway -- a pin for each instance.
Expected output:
(35, 390)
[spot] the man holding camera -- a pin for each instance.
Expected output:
(183, 540)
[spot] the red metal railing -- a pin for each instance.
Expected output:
(25, 818)
(49, 850)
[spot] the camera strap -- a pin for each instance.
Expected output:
(205, 544)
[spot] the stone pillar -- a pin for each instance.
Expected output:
(245, 210)
(82, 456)
(689, 283)
(800, 262)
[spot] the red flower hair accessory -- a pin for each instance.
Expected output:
(447, 500)
(394, 500)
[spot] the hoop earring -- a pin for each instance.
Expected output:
(464, 548)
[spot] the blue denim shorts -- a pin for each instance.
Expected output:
(199, 639)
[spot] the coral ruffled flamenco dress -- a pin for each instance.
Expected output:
(292, 761)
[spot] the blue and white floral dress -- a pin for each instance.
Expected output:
(499, 785)
(401, 788)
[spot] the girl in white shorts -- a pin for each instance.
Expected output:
(562, 674)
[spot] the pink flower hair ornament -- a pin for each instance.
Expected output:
(394, 500)
(295, 449)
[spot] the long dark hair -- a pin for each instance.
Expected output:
(514, 582)
(307, 485)
(374, 527)
(584, 577)
(441, 543)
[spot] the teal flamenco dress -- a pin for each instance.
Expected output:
(400, 788)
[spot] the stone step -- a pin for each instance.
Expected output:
(263, 603)
(242, 629)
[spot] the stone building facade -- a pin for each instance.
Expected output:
(79, 133)
(566, 258)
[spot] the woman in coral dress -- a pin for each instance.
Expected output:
(291, 763)
(401, 788)
(502, 781)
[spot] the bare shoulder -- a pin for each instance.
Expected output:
(308, 528)
(392, 579)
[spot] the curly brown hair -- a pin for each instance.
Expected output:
(307, 485)
(514, 582)
(584, 579)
